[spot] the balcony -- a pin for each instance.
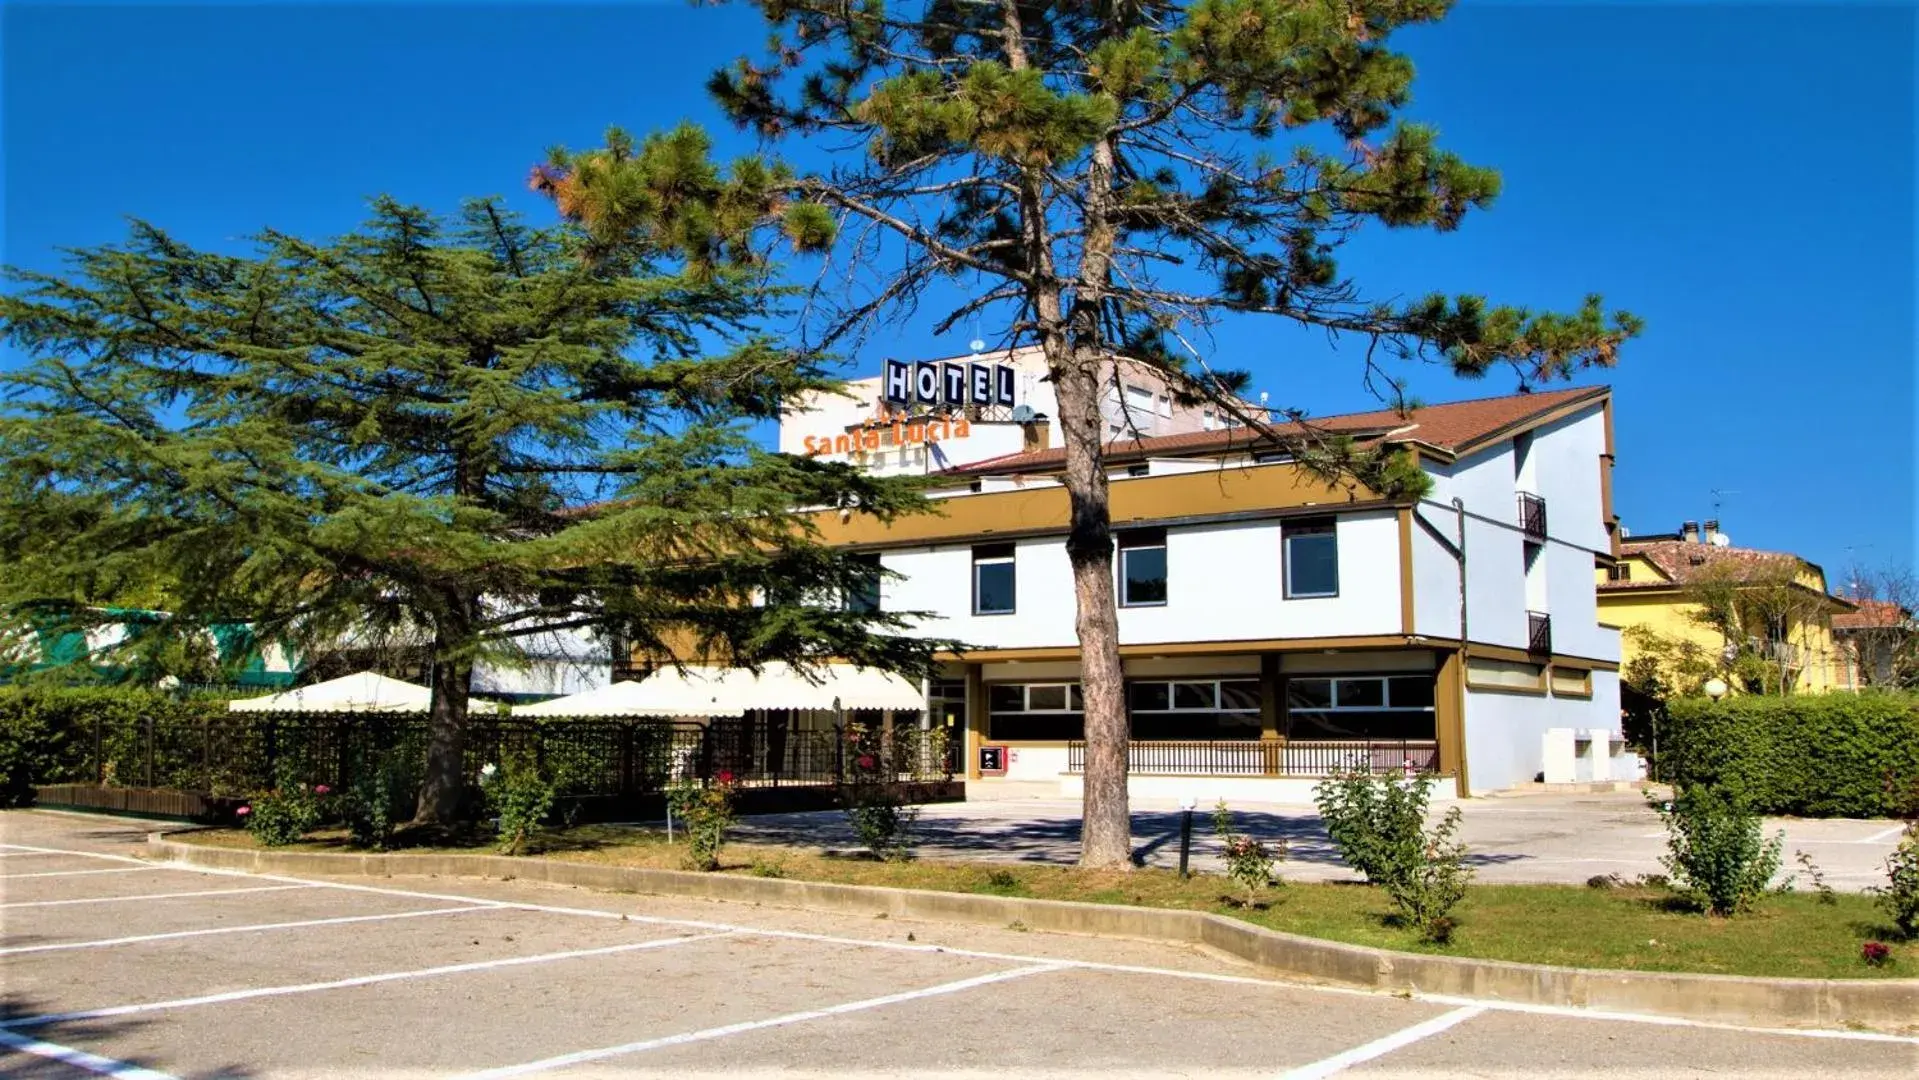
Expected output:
(1539, 633)
(1532, 516)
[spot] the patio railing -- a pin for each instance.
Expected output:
(1248, 757)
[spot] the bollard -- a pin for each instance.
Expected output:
(1185, 836)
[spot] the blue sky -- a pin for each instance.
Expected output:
(1740, 175)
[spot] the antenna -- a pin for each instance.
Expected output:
(1718, 498)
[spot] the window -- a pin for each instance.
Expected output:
(1141, 469)
(1194, 709)
(1272, 457)
(1311, 558)
(864, 594)
(1052, 711)
(1360, 707)
(993, 579)
(1142, 568)
(1619, 572)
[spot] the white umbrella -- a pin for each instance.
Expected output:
(365, 691)
(717, 691)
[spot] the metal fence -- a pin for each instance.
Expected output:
(239, 754)
(1249, 757)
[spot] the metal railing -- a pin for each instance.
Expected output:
(1532, 515)
(1267, 757)
(235, 755)
(1539, 633)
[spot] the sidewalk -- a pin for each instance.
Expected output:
(1546, 837)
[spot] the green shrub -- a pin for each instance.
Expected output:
(1425, 892)
(284, 813)
(381, 798)
(1249, 861)
(1809, 755)
(1376, 820)
(1716, 850)
(1900, 895)
(519, 798)
(705, 812)
(871, 797)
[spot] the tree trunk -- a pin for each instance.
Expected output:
(445, 775)
(1106, 840)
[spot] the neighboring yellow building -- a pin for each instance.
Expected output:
(1765, 614)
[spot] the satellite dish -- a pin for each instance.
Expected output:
(1023, 413)
(1720, 539)
(976, 345)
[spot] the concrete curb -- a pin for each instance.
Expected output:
(1888, 1005)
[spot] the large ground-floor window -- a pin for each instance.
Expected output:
(1195, 709)
(1360, 707)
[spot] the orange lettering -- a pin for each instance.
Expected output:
(870, 439)
(842, 444)
(962, 428)
(915, 433)
(812, 445)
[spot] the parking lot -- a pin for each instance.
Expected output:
(115, 966)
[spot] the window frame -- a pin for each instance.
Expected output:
(995, 555)
(1142, 540)
(1297, 529)
(855, 602)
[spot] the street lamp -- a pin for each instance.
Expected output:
(1715, 688)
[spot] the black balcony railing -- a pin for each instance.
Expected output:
(1532, 515)
(1539, 633)
(1266, 757)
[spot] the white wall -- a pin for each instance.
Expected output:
(1503, 730)
(1224, 584)
(1435, 574)
(1566, 463)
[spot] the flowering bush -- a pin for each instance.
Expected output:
(870, 794)
(1900, 895)
(283, 814)
(1249, 862)
(1876, 953)
(519, 800)
(1425, 892)
(705, 812)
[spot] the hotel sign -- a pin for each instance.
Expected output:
(947, 385)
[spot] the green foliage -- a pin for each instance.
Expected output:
(363, 437)
(870, 793)
(379, 800)
(284, 813)
(1249, 861)
(1376, 820)
(1807, 755)
(1716, 850)
(520, 798)
(1899, 897)
(1425, 890)
(703, 811)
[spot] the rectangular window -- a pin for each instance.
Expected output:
(864, 594)
(1142, 568)
(1046, 711)
(993, 579)
(1142, 469)
(1194, 710)
(1311, 558)
(1360, 707)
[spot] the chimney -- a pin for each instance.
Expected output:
(1689, 532)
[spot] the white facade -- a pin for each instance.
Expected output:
(1530, 657)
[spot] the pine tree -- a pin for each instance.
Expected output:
(1109, 177)
(457, 431)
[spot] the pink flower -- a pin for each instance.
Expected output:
(244, 811)
(1875, 953)
(866, 761)
(725, 776)
(321, 789)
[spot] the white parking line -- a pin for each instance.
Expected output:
(101, 943)
(1566, 1011)
(341, 984)
(154, 896)
(78, 873)
(1380, 1047)
(25, 854)
(1882, 837)
(582, 1056)
(80, 1059)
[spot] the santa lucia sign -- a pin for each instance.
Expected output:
(935, 388)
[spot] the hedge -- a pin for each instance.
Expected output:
(1813, 755)
(46, 731)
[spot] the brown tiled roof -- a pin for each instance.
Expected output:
(1451, 427)
(1871, 615)
(1685, 561)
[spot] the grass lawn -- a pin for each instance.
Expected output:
(1630, 927)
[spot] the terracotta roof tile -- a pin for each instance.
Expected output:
(1684, 561)
(1449, 427)
(1871, 614)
